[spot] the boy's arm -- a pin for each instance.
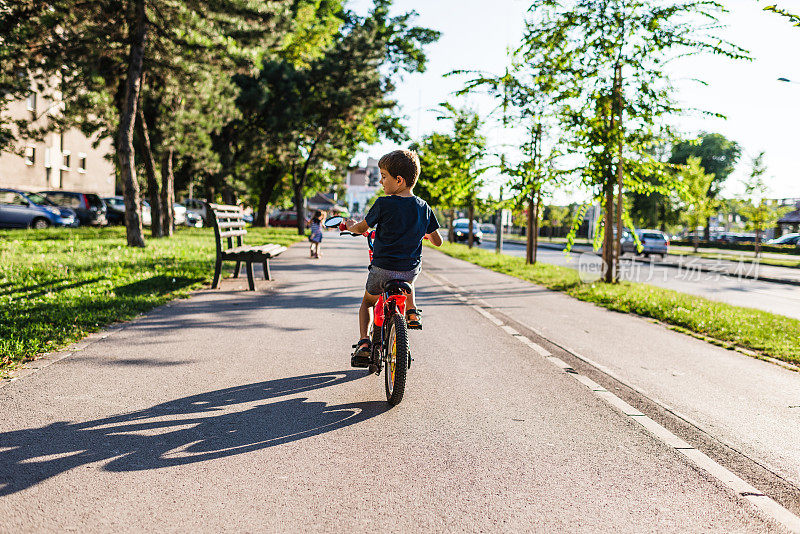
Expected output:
(357, 227)
(435, 238)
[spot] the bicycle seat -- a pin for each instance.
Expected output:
(395, 287)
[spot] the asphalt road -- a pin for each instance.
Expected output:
(776, 298)
(237, 411)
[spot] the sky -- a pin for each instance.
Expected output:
(763, 114)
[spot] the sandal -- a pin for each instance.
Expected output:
(414, 319)
(363, 354)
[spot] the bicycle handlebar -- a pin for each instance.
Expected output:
(366, 234)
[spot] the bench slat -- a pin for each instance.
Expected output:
(232, 233)
(231, 224)
(271, 249)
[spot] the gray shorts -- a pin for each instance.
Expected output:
(377, 277)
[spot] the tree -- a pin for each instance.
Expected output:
(453, 163)
(316, 114)
(755, 208)
(718, 156)
(100, 50)
(614, 51)
(531, 93)
(697, 206)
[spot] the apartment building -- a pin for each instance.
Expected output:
(63, 160)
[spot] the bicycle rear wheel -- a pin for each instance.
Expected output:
(396, 359)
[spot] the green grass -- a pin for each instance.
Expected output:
(731, 326)
(58, 285)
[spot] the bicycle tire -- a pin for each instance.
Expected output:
(396, 360)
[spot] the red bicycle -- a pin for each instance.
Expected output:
(388, 331)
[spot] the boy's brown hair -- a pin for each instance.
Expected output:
(404, 163)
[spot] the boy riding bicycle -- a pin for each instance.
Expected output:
(402, 221)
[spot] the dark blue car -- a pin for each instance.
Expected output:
(20, 209)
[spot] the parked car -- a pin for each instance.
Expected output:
(20, 209)
(187, 217)
(461, 230)
(182, 216)
(787, 239)
(90, 208)
(653, 242)
(287, 219)
(116, 211)
(733, 237)
(198, 207)
(488, 229)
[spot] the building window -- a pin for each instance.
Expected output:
(30, 155)
(81, 162)
(32, 102)
(67, 159)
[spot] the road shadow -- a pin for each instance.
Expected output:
(192, 429)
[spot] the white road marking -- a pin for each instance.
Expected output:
(488, 315)
(743, 489)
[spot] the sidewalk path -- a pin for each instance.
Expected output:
(237, 411)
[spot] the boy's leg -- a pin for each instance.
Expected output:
(410, 300)
(365, 313)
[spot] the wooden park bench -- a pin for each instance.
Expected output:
(228, 223)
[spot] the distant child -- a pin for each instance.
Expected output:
(316, 234)
(402, 221)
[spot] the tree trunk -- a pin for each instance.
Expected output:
(299, 208)
(130, 185)
(530, 253)
(707, 230)
(498, 227)
(451, 232)
(757, 247)
(618, 240)
(228, 195)
(535, 228)
(167, 194)
(470, 229)
(152, 180)
(272, 175)
(261, 219)
(608, 235)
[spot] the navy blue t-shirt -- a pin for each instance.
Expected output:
(401, 224)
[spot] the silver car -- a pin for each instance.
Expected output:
(654, 242)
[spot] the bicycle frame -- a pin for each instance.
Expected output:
(387, 305)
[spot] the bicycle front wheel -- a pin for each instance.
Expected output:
(396, 351)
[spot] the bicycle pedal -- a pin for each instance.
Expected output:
(359, 361)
